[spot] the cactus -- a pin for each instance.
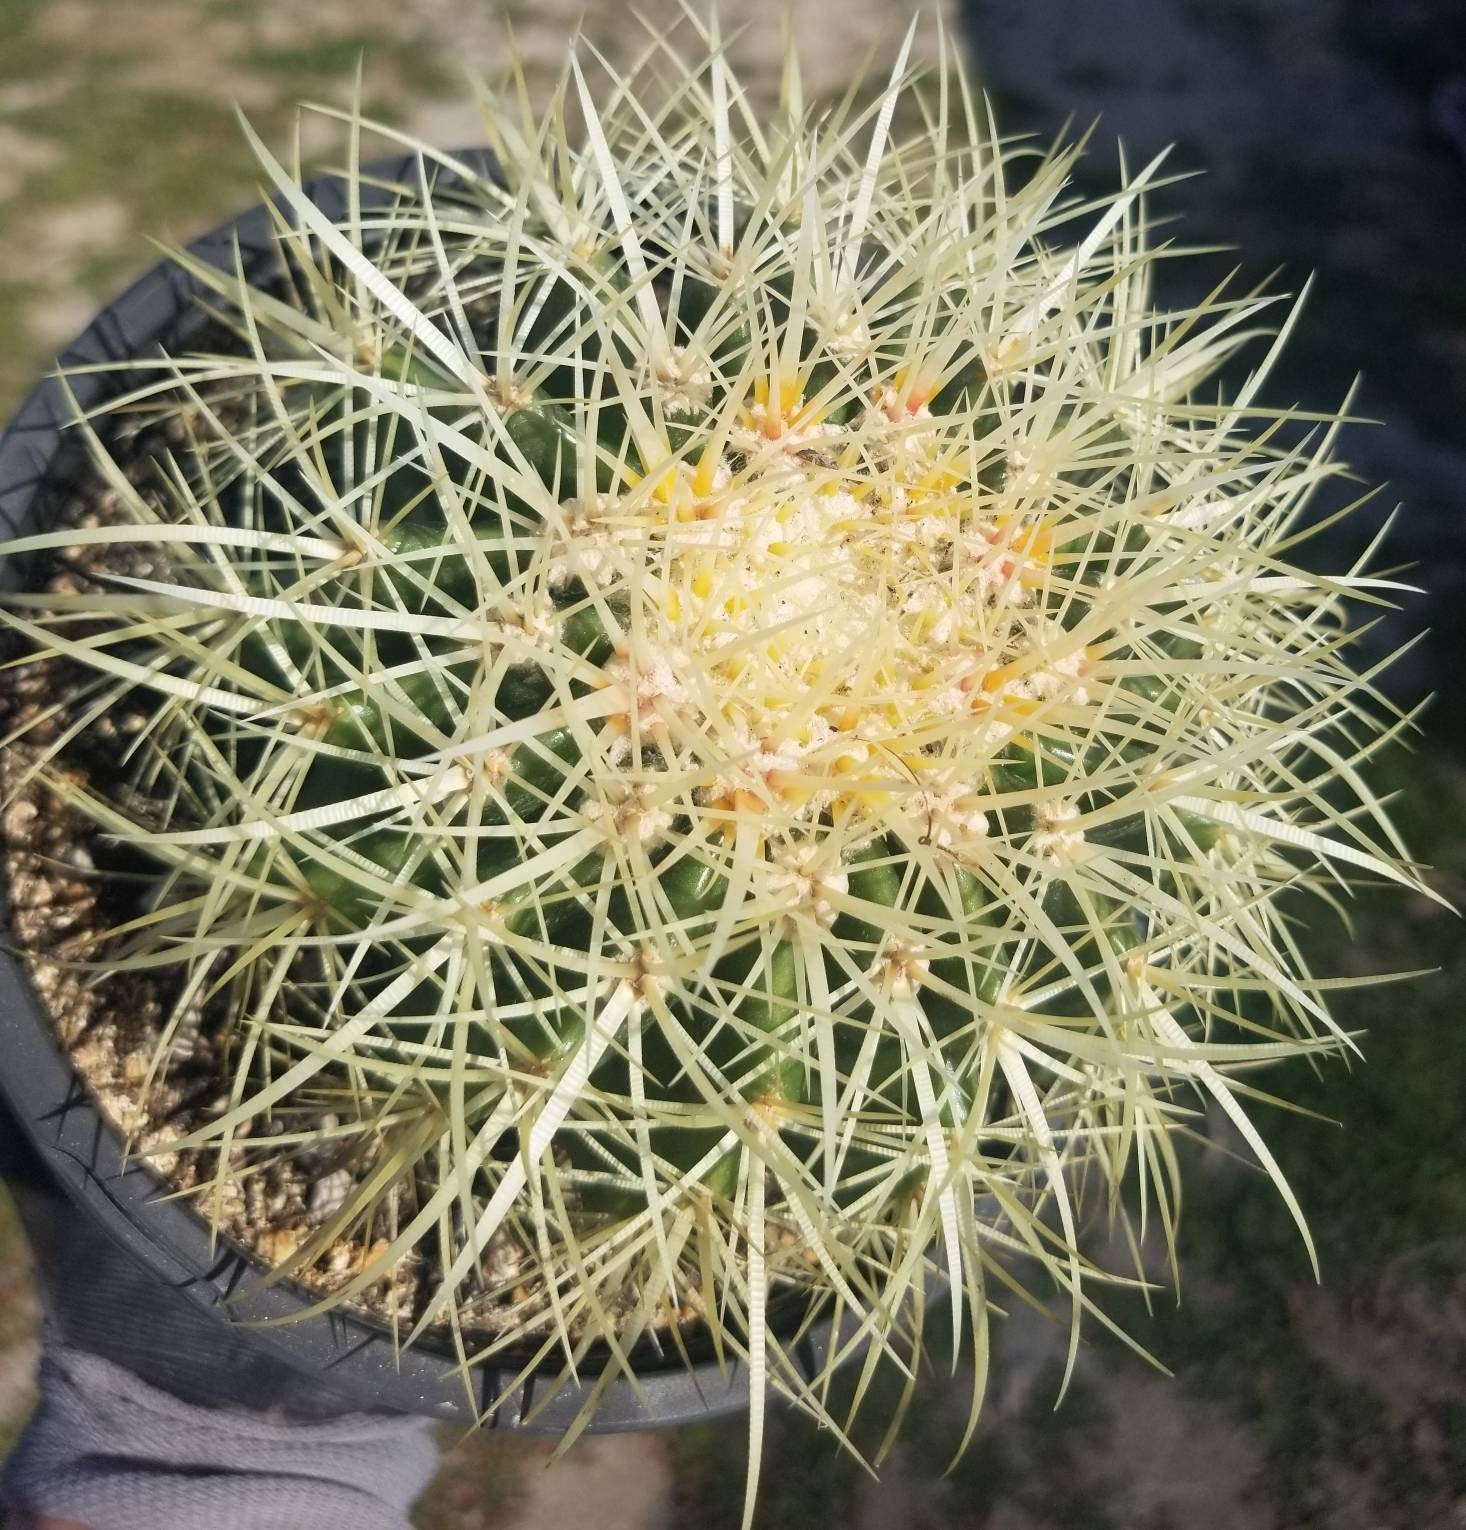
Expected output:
(722, 698)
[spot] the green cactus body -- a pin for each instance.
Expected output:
(758, 707)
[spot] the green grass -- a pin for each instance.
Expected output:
(22, 53)
(336, 59)
(171, 152)
(18, 359)
(321, 56)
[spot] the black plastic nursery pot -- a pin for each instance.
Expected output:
(121, 1199)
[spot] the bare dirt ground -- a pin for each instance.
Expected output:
(1293, 1408)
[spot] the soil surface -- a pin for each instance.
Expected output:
(1335, 138)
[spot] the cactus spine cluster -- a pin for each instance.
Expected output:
(723, 700)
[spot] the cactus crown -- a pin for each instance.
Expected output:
(720, 699)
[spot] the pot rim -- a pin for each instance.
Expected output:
(83, 1152)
